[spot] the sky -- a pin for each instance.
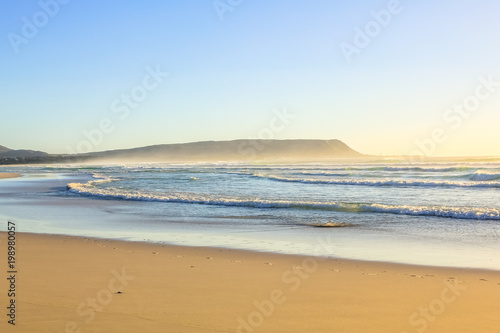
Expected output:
(386, 77)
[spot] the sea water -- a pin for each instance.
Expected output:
(421, 213)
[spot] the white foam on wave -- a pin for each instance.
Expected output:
(453, 212)
(428, 169)
(484, 175)
(382, 182)
(324, 173)
(100, 179)
(91, 189)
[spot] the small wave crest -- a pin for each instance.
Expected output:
(330, 225)
(382, 182)
(428, 169)
(483, 175)
(100, 179)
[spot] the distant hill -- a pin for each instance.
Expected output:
(9, 153)
(205, 151)
(3, 149)
(23, 153)
(236, 150)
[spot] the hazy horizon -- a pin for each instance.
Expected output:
(364, 156)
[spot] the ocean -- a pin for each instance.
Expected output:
(445, 214)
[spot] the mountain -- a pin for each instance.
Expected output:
(205, 151)
(21, 153)
(236, 150)
(4, 149)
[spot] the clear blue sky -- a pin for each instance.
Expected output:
(226, 76)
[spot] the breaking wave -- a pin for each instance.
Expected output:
(482, 180)
(90, 189)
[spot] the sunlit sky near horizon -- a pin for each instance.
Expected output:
(69, 71)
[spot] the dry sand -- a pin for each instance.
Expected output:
(141, 287)
(4, 175)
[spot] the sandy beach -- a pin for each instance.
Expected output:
(5, 175)
(78, 284)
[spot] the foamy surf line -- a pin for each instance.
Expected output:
(391, 182)
(89, 189)
(478, 176)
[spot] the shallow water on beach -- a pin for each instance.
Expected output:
(437, 214)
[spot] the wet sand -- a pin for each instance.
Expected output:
(4, 175)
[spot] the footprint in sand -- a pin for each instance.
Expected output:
(335, 270)
(209, 258)
(235, 260)
(269, 263)
(156, 253)
(483, 280)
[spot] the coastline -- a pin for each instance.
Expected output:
(6, 175)
(199, 289)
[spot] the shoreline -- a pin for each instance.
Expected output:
(158, 287)
(7, 175)
(258, 252)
